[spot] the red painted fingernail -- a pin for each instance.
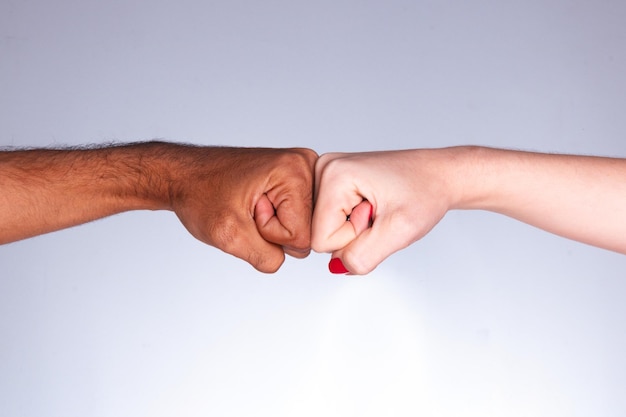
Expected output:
(336, 266)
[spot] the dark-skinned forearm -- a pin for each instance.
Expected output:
(45, 190)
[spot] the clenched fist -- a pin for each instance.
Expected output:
(254, 203)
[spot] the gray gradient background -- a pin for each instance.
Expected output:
(130, 316)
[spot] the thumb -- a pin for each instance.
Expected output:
(296, 243)
(361, 217)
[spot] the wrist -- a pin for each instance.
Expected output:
(144, 176)
(164, 170)
(484, 176)
(466, 177)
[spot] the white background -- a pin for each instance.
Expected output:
(130, 316)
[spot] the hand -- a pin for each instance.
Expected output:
(578, 197)
(403, 194)
(253, 203)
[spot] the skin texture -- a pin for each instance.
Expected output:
(253, 203)
(409, 192)
(256, 203)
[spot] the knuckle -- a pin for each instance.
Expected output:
(308, 154)
(300, 159)
(298, 174)
(299, 254)
(329, 171)
(320, 245)
(320, 165)
(301, 241)
(323, 160)
(264, 263)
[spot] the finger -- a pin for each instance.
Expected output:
(346, 227)
(262, 255)
(330, 230)
(297, 253)
(263, 211)
(241, 238)
(371, 247)
(356, 222)
(288, 225)
(290, 192)
(320, 165)
(361, 217)
(339, 191)
(263, 214)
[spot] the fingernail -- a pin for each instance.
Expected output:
(336, 266)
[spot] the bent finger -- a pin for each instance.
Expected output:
(338, 230)
(371, 248)
(287, 225)
(297, 253)
(246, 243)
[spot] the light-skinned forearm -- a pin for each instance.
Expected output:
(578, 197)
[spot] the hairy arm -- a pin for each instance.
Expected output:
(44, 190)
(254, 203)
(578, 197)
